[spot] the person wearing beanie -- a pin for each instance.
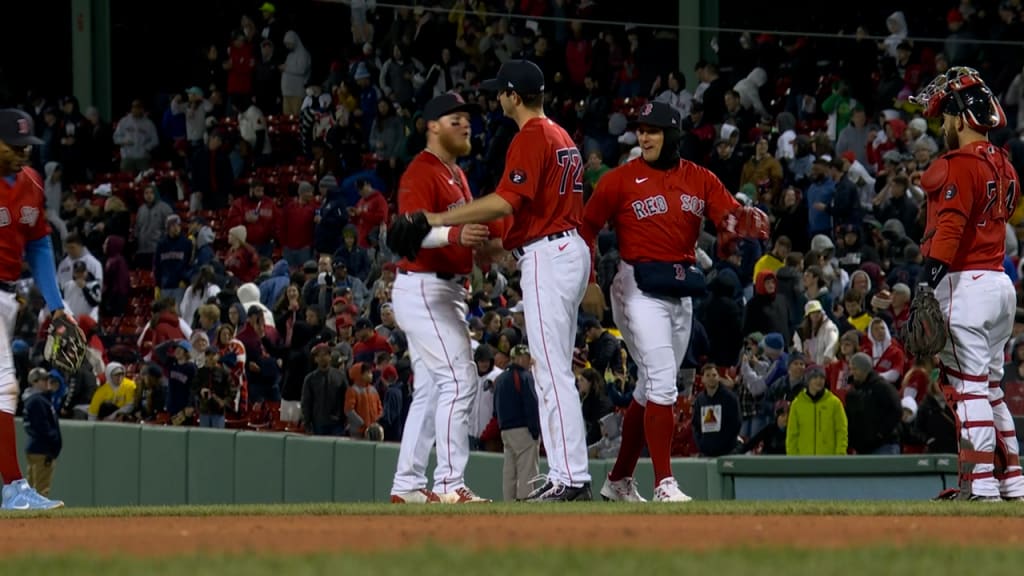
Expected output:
(787, 387)
(899, 309)
(760, 381)
(873, 410)
(241, 261)
(911, 439)
(817, 424)
(172, 261)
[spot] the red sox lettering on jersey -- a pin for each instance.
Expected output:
(670, 205)
(21, 208)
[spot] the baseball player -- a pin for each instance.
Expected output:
(429, 297)
(971, 191)
(656, 204)
(25, 236)
(543, 186)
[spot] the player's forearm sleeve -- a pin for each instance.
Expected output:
(438, 237)
(39, 255)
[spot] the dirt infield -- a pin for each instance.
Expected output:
(166, 536)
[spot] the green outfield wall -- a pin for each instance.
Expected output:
(126, 465)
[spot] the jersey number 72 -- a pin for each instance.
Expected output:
(571, 162)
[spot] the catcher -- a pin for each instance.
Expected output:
(965, 303)
(25, 237)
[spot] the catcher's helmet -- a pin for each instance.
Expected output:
(962, 92)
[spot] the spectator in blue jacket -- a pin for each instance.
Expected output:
(819, 199)
(172, 262)
(716, 415)
(43, 430)
(273, 288)
(515, 403)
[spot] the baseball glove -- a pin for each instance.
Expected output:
(65, 345)
(407, 234)
(925, 331)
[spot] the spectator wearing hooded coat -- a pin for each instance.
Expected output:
(722, 319)
(766, 311)
(272, 288)
(116, 278)
(885, 352)
(295, 73)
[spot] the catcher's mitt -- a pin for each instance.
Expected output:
(65, 345)
(925, 331)
(407, 234)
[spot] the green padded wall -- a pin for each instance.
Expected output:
(116, 465)
(308, 469)
(259, 468)
(211, 466)
(483, 474)
(163, 474)
(384, 466)
(349, 458)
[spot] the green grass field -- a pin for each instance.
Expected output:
(933, 561)
(737, 558)
(759, 508)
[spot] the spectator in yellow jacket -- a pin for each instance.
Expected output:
(817, 422)
(115, 399)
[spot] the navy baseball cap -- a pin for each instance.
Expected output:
(445, 104)
(16, 128)
(522, 76)
(658, 115)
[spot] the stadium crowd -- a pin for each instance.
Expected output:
(224, 254)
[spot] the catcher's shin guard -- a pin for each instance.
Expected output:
(975, 431)
(1007, 456)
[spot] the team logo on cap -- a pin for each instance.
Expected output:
(23, 127)
(646, 110)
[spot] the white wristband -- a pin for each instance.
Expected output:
(436, 238)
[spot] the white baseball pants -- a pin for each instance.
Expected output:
(554, 278)
(432, 313)
(980, 309)
(8, 376)
(656, 332)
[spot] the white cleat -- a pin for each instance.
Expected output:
(668, 491)
(421, 496)
(623, 490)
(461, 495)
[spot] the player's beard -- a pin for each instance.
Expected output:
(12, 159)
(456, 145)
(952, 138)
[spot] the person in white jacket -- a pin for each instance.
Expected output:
(749, 90)
(817, 336)
(76, 252)
(137, 136)
(294, 73)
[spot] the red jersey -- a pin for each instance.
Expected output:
(261, 230)
(971, 191)
(657, 214)
(371, 212)
(543, 182)
(428, 184)
(22, 219)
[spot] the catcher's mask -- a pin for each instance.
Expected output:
(962, 92)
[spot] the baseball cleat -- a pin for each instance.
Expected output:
(559, 492)
(977, 498)
(623, 490)
(545, 485)
(18, 495)
(668, 491)
(461, 495)
(421, 496)
(1013, 498)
